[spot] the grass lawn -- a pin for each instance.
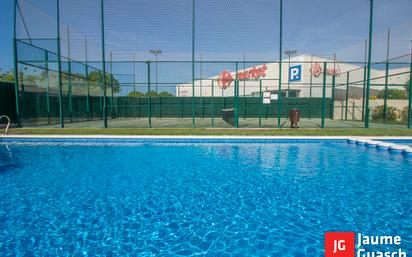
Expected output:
(214, 132)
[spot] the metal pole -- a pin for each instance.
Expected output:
(46, 58)
(236, 98)
(87, 81)
(310, 86)
(201, 75)
(260, 103)
(134, 72)
(244, 87)
(385, 115)
(288, 76)
(149, 100)
(410, 93)
(156, 77)
(280, 63)
(111, 82)
(201, 86)
(364, 81)
(213, 104)
(103, 64)
(369, 65)
(59, 67)
(324, 95)
(69, 65)
(332, 104)
(347, 95)
(193, 63)
(353, 110)
(15, 65)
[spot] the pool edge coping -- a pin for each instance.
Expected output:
(197, 137)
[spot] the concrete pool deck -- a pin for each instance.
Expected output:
(201, 137)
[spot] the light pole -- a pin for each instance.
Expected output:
(410, 92)
(134, 72)
(156, 52)
(368, 81)
(289, 53)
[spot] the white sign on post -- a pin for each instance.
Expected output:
(266, 94)
(274, 96)
(266, 100)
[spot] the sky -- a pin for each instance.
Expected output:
(225, 30)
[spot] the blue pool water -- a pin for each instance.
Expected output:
(215, 198)
(400, 141)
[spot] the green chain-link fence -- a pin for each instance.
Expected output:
(72, 80)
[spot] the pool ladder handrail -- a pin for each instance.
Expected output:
(8, 123)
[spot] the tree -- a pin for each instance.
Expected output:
(136, 94)
(392, 94)
(6, 76)
(164, 94)
(96, 76)
(161, 94)
(407, 86)
(151, 94)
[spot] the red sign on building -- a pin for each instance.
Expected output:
(225, 78)
(316, 70)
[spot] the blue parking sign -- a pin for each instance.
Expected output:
(295, 73)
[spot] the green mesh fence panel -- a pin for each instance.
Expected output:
(153, 79)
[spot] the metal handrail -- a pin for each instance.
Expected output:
(8, 123)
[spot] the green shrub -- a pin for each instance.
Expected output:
(391, 113)
(392, 94)
(404, 114)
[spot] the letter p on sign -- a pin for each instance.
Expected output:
(295, 73)
(340, 244)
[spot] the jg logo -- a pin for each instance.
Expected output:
(339, 244)
(295, 73)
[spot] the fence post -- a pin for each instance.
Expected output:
(70, 89)
(368, 82)
(213, 104)
(364, 81)
(69, 78)
(193, 64)
(347, 95)
(87, 81)
(280, 61)
(385, 101)
(111, 84)
(310, 87)
(181, 107)
(15, 65)
(112, 98)
(260, 103)
(353, 110)
(59, 68)
(103, 63)
(410, 93)
(46, 58)
(332, 104)
(324, 95)
(236, 105)
(149, 100)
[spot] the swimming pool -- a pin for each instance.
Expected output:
(400, 141)
(162, 197)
